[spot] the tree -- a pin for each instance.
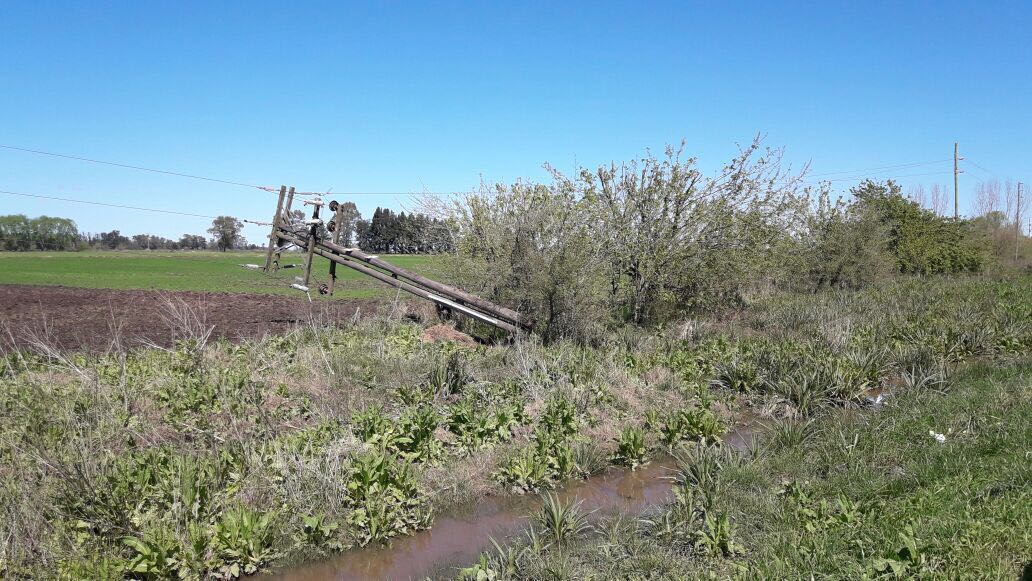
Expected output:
(940, 200)
(349, 219)
(411, 233)
(987, 200)
(640, 241)
(18, 232)
(225, 232)
(675, 239)
(192, 242)
(922, 241)
(113, 240)
(844, 245)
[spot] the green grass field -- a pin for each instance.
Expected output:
(188, 271)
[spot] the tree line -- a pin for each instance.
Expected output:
(386, 232)
(21, 233)
(402, 233)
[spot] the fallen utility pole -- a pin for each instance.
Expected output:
(444, 301)
(284, 231)
(458, 294)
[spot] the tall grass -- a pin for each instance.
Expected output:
(213, 458)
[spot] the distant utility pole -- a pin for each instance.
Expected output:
(1017, 223)
(956, 171)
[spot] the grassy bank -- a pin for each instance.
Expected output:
(216, 460)
(849, 495)
(186, 271)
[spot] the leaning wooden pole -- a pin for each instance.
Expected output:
(338, 219)
(409, 288)
(282, 219)
(313, 236)
(274, 240)
(456, 294)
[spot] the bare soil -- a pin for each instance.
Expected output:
(74, 318)
(441, 333)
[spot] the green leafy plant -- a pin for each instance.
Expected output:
(477, 427)
(417, 441)
(690, 424)
(319, 532)
(524, 471)
(384, 498)
(546, 460)
(559, 417)
(631, 450)
(155, 556)
(562, 522)
(716, 537)
(243, 538)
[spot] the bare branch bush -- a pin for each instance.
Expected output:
(636, 241)
(987, 198)
(184, 321)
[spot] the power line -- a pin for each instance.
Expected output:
(206, 178)
(988, 171)
(106, 204)
(136, 167)
(884, 167)
(326, 195)
(911, 175)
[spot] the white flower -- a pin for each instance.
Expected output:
(941, 438)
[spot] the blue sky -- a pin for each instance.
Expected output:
(406, 96)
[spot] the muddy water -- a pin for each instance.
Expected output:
(747, 425)
(456, 540)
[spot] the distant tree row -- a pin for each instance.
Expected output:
(19, 232)
(114, 240)
(387, 232)
(402, 233)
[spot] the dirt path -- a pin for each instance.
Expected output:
(73, 318)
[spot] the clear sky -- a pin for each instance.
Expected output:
(407, 96)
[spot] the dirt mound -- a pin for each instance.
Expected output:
(73, 318)
(441, 333)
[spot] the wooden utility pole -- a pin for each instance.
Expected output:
(313, 233)
(338, 224)
(273, 238)
(1017, 224)
(956, 185)
(284, 220)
